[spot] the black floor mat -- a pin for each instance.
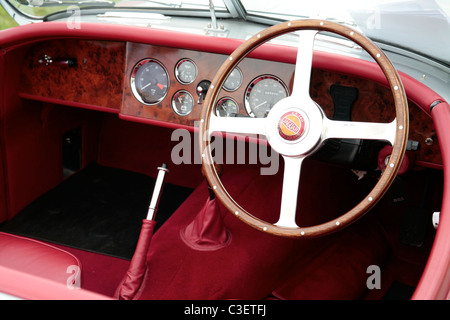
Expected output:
(98, 209)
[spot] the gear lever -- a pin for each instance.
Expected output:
(138, 264)
(207, 231)
(219, 170)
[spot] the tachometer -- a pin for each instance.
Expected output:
(262, 94)
(149, 81)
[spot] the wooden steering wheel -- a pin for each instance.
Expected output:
(296, 127)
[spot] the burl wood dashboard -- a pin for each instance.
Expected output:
(98, 75)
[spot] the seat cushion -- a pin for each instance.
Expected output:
(40, 259)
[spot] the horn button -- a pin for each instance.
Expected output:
(291, 126)
(294, 131)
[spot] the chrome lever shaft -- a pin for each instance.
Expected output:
(157, 192)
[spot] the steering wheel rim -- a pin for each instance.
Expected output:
(396, 132)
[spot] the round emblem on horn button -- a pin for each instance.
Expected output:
(291, 126)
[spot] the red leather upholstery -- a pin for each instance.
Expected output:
(39, 259)
(435, 281)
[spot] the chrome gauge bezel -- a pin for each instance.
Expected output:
(134, 89)
(251, 87)
(221, 101)
(174, 103)
(178, 72)
(237, 86)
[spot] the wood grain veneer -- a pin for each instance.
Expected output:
(102, 79)
(97, 79)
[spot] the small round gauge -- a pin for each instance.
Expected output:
(186, 71)
(234, 80)
(182, 103)
(227, 107)
(149, 81)
(262, 94)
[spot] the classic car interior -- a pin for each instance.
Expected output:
(91, 117)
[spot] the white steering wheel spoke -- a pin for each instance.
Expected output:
(359, 130)
(291, 181)
(242, 125)
(303, 65)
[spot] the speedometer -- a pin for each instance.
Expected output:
(262, 94)
(149, 81)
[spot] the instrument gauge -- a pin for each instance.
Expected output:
(182, 103)
(262, 94)
(186, 71)
(234, 80)
(149, 81)
(227, 107)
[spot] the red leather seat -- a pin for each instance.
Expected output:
(39, 259)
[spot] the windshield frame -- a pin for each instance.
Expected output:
(166, 12)
(416, 41)
(16, 6)
(385, 11)
(20, 16)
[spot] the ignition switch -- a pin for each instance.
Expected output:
(202, 89)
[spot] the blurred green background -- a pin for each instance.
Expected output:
(5, 20)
